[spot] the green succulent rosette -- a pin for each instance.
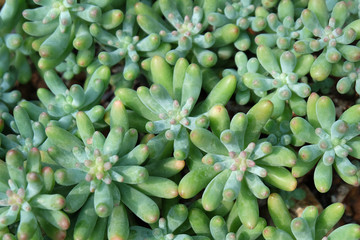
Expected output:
(60, 104)
(349, 73)
(279, 132)
(245, 14)
(285, 71)
(285, 29)
(126, 44)
(60, 26)
(333, 36)
(219, 230)
(27, 200)
(244, 65)
(100, 173)
(240, 161)
(27, 133)
(310, 225)
(171, 102)
(184, 28)
(330, 141)
(167, 228)
(15, 46)
(69, 67)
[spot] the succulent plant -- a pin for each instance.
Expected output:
(69, 67)
(219, 230)
(9, 98)
(102, 166)
(332, 35)
(185, 29)
(60, 26)
(310, 225)
(135, 118)
(244, 65)
(241, 160)
(89, 226)
(349, 73)
(13, 63)
(170, 101)
(126, 44)
(291, 198)
(29, 134)
(14, 67)
(284, 79)
(321, 87)
(331, 141)
(27, 197)
(14, 47)
(285, 28)
(352, 5)
(278, 130)
(62, 103)
(167, 227)
(244, 14)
